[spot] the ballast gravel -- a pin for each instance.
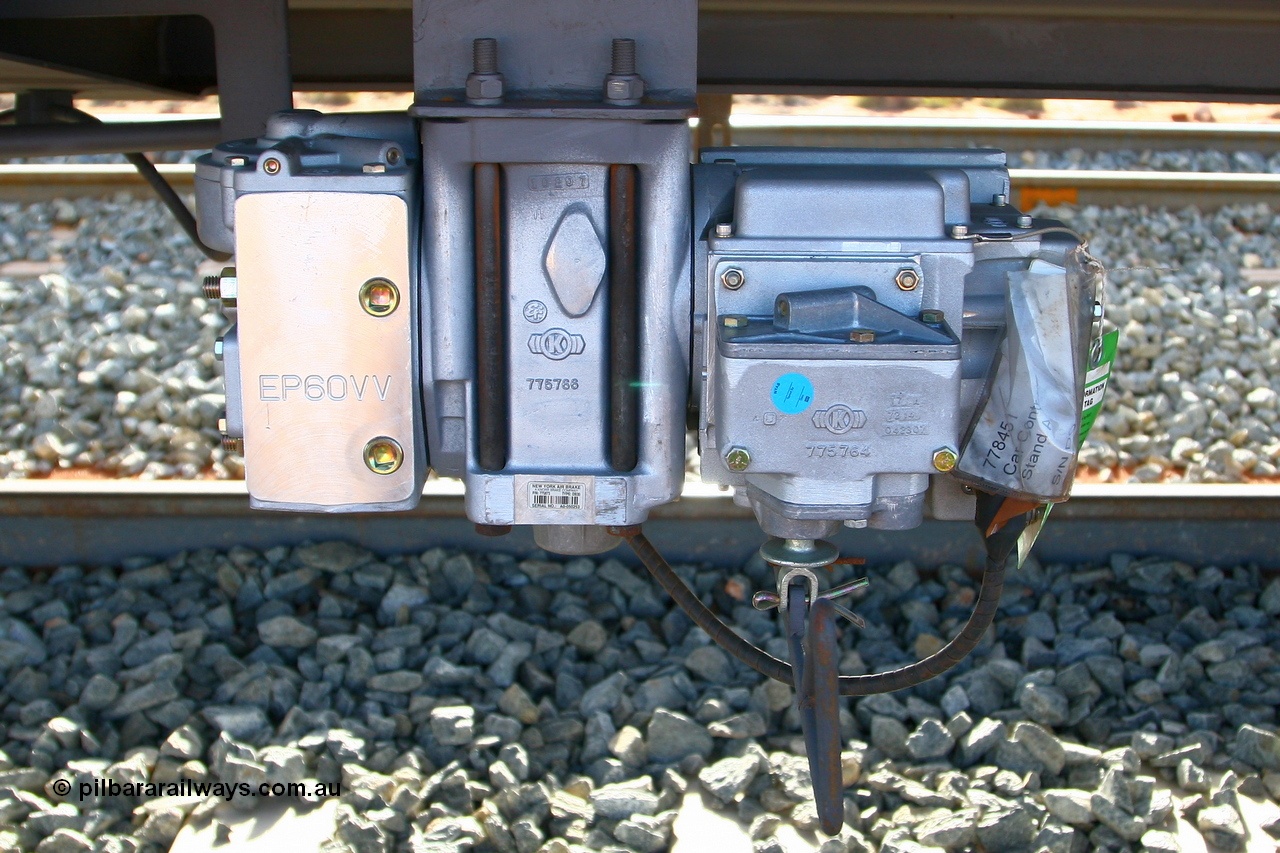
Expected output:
(1114, 707)
(106, 343)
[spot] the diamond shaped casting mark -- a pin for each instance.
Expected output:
(575, 262)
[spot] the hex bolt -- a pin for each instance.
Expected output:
(733, 278)
(222, 286)
(219, 348)
(737, 459)
(374, 168)
(932, 316)
(999, 199)
(724, 229)
(907, 279)
(944, 459)
(624, 56)
(734, 321)
(862, 336)
(484, 56)
(379, 297)
(271, 166)
(383, 455)
(958, 231)
(393, 156)
(222, 424)
(485, 86)
(1024, 221)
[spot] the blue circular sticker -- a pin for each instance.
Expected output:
(792, 393)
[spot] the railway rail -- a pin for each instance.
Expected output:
(1008, 134)
(58, 522)
(37, 182)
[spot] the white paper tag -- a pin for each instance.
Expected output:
(1025, 440)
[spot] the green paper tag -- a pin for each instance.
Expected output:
(1095, 382)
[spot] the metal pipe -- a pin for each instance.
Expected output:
(491, 320)
(624, 320)
(59, 140)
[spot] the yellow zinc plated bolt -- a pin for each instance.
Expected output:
(944, 459)
(737, 458)
(379, 297)
(383, 455)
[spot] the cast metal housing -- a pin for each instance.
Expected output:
(845, 327)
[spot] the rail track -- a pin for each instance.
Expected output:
(31, 182)
(60, 522)
(1008, 134)
(71, 521)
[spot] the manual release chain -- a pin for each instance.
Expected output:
(812, 641)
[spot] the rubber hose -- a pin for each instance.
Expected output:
(984, 613)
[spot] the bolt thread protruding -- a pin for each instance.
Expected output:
(232, 445)
(484, 56)
(624, 56)
(212, 287)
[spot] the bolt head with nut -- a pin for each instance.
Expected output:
(383, 455)
(737, 459)
(944, 459)
(271, 166)
(733, 278)
(907, 279)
